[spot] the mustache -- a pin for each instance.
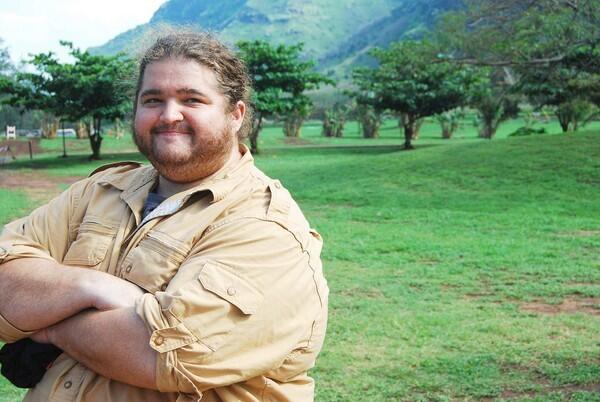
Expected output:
(178, 127)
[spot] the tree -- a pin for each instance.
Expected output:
(25, 91)
(368, 108)
(549, 47)
(280, 80)
(492, 96)
(409, 83)
(295, 115)
(92, 88)
(334, 120)
(449, 122)
(101, 89)
(6, 65)
(571, 85)
(518, 33)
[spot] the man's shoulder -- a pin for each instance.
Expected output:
(267, 199)
(117, 167)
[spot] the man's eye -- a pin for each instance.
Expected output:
(193, 100)
(150, 101)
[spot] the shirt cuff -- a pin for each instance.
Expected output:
(165, 338)
(8, 332)
(5, 249)
(10, 251)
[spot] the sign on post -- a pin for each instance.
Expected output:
(11, 132)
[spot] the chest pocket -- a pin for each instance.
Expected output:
(94, 238)
(154, 261)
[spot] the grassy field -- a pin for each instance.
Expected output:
(466, 270)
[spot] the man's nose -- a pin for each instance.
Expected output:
(171, 112)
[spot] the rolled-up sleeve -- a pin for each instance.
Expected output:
(42, 234)
(236, 308)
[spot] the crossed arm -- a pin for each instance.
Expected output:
(88, 314)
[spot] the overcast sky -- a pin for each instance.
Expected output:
(34, 26)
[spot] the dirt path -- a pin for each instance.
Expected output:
(38, 186)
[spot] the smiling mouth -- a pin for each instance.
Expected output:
(172, 130)
(172, 133)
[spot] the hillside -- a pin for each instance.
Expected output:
(337, 37)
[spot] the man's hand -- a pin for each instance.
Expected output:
(108, 292)
(36, 293)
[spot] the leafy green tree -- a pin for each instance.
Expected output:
(450, 121)
(280, 80)
(93, 88)
(548, 46)
(295, 116)
(334, 120)
(100, 89)
(492, 96)
(409, 82)
(571, 85)
(6, 66)
(518, 33)
(28, 92)
(368, 109)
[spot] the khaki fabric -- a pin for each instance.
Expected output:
(236, 301)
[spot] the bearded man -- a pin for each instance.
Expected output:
(195, 278)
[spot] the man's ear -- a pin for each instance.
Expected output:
(237, 116)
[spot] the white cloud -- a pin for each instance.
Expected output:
(33, 26)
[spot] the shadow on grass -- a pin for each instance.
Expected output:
(340, 149)
(56, 162)
(51, 162)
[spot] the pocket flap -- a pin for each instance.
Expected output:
(227, 284)
(91, 245)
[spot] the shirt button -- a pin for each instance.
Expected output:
(277, 185)
(68, 384)
(163, 287)
(231, 291)
(159, 340)
(128, 269)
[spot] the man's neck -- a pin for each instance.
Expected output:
(167, 188)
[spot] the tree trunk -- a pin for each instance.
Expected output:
(488, 131)
(118, 128)
(408, 124)
(95, 139)
(446, 132)
(82, 130)
(256, 127)
(339, 129)
(49, 126)
(370, 121)
(292, 124)
(564, 120)
(328, 126)
(416, 129)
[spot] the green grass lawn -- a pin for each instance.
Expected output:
(438, 260)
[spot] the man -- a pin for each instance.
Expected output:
(197, 278)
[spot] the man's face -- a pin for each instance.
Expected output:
(183, 124)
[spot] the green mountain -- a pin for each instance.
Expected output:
(337, 35)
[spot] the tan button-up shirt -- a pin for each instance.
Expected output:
(236, 301)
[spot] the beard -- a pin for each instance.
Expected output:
(187, 157)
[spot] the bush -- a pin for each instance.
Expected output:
(523, 131)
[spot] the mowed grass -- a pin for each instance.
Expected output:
(450, 266)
